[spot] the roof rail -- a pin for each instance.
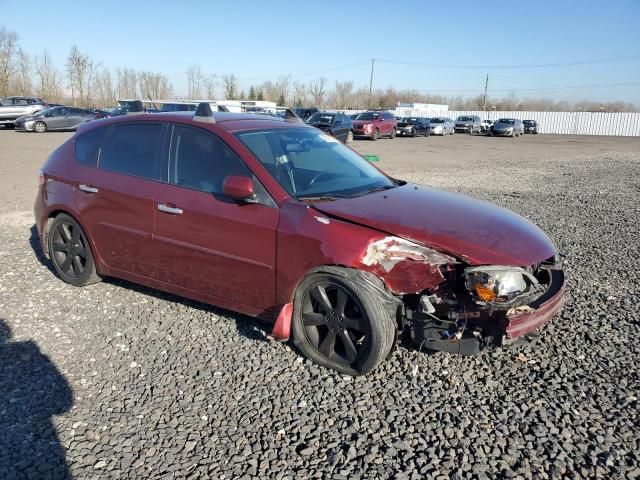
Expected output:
(204, 113)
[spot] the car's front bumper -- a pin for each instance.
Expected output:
(463, 128)
(362, 133)
(501, 133)
(27, 127)
(404, 131)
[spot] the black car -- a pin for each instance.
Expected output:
(530, 126)
(413, 126)
(305, 112)
(337, 125)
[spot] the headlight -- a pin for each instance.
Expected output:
(29, 123)
(499, 284)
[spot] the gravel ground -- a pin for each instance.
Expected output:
(119, 381)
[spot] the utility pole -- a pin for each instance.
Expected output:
(484, 100)
(373, 60)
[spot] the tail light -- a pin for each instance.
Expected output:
(41, 178)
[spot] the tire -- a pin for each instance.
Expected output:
(414, 133)
(392, 135)
(70, 252)
(40, 127)
(375, 135)
(342, 323)
(349, 138)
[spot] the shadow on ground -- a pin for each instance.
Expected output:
(32, 390)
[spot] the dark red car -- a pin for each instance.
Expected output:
(375, 124)
(276, 219)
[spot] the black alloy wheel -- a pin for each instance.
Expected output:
(70, 252)
(341, 324)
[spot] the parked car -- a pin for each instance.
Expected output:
(236, 211)
(507, 127)
(305, 112)
(337, 125)
(12, 108)
(56, 118)
(530, 126)
(112, 111)
(413, 126)
(468, 124)
(441, 126)
(485, 126)
(375, 124)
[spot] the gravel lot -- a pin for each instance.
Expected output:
(119, 381)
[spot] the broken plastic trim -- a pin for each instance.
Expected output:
(390, 250)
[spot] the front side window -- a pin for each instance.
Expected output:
(201, 161)
(132, 149)
(311, 165)
(87, 146)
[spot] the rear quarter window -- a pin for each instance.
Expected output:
(87, 146)
(131, 149)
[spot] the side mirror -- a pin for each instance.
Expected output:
(239, 188)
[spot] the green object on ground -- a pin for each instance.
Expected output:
(371, 158)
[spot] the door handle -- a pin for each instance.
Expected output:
(87, 188)
(166, 208)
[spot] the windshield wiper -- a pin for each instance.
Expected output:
(379, 188)
(318, 198)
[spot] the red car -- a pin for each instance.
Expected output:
(276, 219)
(375, 125)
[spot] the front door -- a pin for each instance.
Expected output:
(208, 243)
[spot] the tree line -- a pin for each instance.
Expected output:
(85, 82)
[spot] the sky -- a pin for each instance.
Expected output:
(441, 48)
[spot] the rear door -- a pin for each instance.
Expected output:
(57, 118)
(116, 197)
(207, 243)
(76, 117)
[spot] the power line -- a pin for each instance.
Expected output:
(512, 67)
(568, 87)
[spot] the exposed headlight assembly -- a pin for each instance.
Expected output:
(501, 286)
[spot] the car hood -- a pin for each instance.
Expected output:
(405, 124)
(360, 123)
(475, 231)
(26, 118)
(503, 125)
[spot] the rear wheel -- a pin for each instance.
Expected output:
(39, 127)
(340, 324)
(70, 252)
(349, 137)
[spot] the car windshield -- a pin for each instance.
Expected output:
(368, 116)
(410, 120)
(465, 119)
(529, 122)
(40, 113)
(320, 118)
(509, 121)
(437, 120)
(311, 165)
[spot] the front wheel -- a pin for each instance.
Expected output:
(414, 133)
(70, 252)
(341, 324)
(375, 135)
(393, 133)
(40, 127)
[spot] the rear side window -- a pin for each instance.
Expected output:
(87, 146)
(131, 149)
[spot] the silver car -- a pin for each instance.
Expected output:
(441, 126)
(55, 118)
(507, 127)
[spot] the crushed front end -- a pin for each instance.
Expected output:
(485, 306)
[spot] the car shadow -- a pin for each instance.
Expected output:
(34, 242)
(32, 391)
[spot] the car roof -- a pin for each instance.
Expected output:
(232, 122)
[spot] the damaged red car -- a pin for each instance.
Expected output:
(275, 219)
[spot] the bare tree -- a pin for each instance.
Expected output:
(230, 83)
(343, 94)
(299, 94)
(194, 82)
(209, 83)
(49, 79)
(127, 83)
(317, 91)
(154, 85)
(21, 83)
(9, 60)
(103, 91)
(80, 70)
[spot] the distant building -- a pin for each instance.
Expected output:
(409, 108)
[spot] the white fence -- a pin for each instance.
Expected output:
(563, 123)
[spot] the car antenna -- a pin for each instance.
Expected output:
(290, 116)
(204, 113)
(135, 107)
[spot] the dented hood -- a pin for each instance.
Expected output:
(475, 231)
